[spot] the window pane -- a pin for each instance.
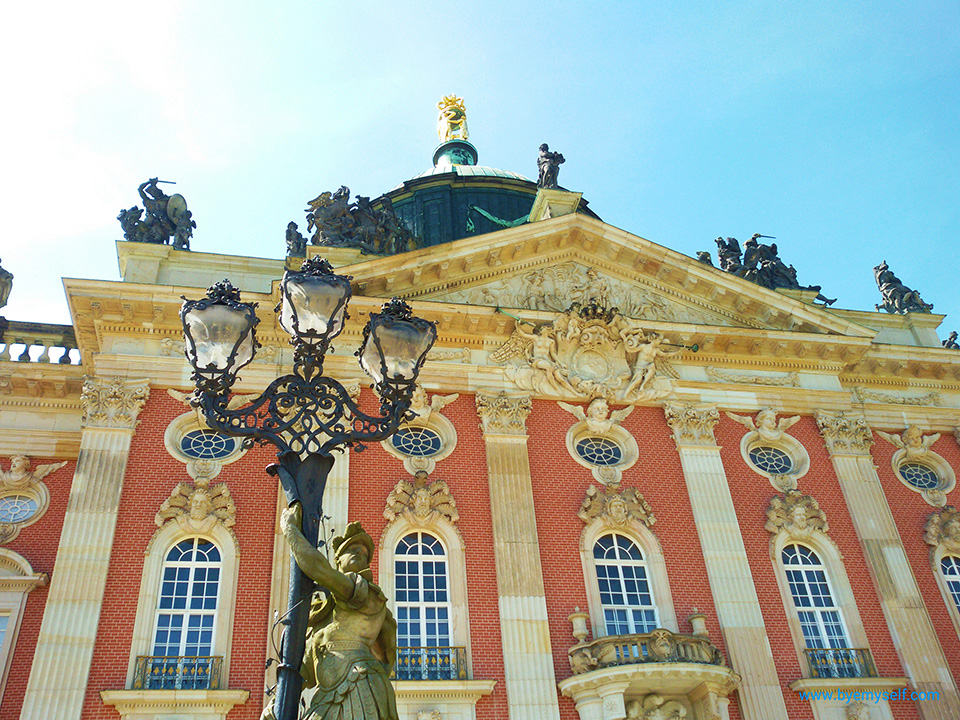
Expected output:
(423, 603)
(821, 622)
(188, 600)
(625, 595)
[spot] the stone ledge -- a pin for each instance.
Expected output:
(665, 678)
(449, 689)
(877, 684)
(197, 704)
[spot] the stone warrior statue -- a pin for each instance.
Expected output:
(167, 217)
(6, 285)
(951, 342)
(296, 242)
(549, 164)
(352, 635)
(897, 297)
(760, 264)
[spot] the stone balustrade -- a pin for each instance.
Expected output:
(19, 342)
(658, 646)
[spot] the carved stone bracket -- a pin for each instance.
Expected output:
(943, 529)
(857, 710)
(421, 500)
(615, 508)
(692, 425)
(112, 402)
(503, 415)
(799, 516)
(844, 435)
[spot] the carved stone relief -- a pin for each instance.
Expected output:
(912, 441)
(445, 355)
(615, 508)
(502, 414)
(943, 528)
(655, 707)
(112, 402)
(766, 425)
(23, 484)
(588, 352)
(914, 455)
(692, 425)
(423, 407)
(863, 395)
(555, 287)
(799, 516)
(726, 376)
(421, 500)
(197, 507)
(764, 448)
(844, 435)
(857, 710)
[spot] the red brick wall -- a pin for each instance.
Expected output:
(910, 511)
(150, 477)
(751, 496)
(38, 544)
(559, 486)
(374, 473)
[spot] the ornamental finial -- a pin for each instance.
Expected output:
(452, 119)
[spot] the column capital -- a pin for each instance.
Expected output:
(112, 402)
(692, 425)
(844, 434)
(503, 415)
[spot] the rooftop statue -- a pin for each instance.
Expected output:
(897, 297)
(166, 217)
(370, 226)
(760, 264)
(549, 164)
(950, 343)
(296, 242)
(6, 285)
(352, 635)
(452, 119)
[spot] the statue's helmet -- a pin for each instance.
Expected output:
(353, 535)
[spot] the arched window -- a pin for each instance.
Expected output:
(423, 609)
(950, 567)
(186, 618)
(820, 619)
(625, 595)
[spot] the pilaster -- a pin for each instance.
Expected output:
(527, 658)
(61, 663)
(731, 581)
(848, 439)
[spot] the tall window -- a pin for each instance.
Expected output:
(186, 617)
(625, 595)
(423, 608)
(950, 567)
(820, 618)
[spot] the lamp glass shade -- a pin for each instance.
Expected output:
(395, 348)
(219, 338)
(314, 306)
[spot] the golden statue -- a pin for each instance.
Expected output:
(352, 635)
(452, 119)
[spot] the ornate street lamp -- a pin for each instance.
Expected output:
(305, 415)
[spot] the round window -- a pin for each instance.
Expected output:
(919, 476)
(17, 508)
(599, 451)
(771, 460)
(417, 441)
(207, 445)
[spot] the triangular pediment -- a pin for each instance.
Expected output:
(548, 265)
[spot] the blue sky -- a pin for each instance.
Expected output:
(835, 127)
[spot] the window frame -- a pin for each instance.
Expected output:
(158, 548)
(937, 556)
(821, 624)
(17, 580)
(656, 566)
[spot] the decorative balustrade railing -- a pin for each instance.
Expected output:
(157, 672)
(38, 342)
(431, 663)
(840, 663)
(658, 646)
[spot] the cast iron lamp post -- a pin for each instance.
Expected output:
(305, 415)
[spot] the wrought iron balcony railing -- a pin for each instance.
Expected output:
(431, 663)
(840, 663)
(157, 672)
(659, 646)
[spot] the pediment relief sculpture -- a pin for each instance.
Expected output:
(615, 508)
(914, 444)
(421, 500)
(766, 424)
(589, 352)
(196, 507)
(423, 406)
(799, 516)
(555, 287)
(943, 528)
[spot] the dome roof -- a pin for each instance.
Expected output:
(469, 171)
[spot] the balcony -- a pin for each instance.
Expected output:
(840, 663)
(659, 646)
(154, 672)
(431, 663)
(38, 343)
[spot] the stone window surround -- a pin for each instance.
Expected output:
(606, 474)
(448, 439)
(17, 578)
(153, 560)
(937, 554)
(930, 459)
(839, 585)
(653, 556)
(186, 423)
(787, 444)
